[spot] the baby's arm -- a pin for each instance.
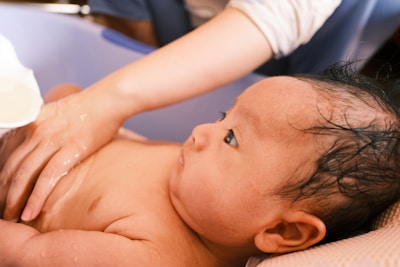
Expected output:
(22, 245)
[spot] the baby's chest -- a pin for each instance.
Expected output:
(95, 200)
(136, 201)
(102, 205)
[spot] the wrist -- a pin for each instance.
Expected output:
(111, 101)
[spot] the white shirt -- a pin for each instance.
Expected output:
(286, 24)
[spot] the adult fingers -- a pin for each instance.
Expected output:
(8, 161)
(43, 175)
(56, 168)
(21, 171)
(42, 139)
(56, 142)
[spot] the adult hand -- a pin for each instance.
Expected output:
(8, 142)
(65, 133)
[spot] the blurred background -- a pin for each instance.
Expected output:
(388, 56)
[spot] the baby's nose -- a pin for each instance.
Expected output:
(201, 136)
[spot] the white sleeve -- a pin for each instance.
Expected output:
(287, 24)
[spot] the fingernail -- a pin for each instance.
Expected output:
(26, 215)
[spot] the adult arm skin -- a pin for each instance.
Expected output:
(69, 130)
(21, 245)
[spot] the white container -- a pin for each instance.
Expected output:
(20, 99)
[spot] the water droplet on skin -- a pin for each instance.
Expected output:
(54, 180)
(74, 249)
(83, 117)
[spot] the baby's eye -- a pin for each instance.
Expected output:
(230, 139)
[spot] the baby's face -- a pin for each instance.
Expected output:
(225, 183)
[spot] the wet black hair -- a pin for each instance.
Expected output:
(358, 176)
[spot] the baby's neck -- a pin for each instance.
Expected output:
(229, 256)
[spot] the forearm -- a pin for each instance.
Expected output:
(13, 237)
(21, 245)
(221, 51)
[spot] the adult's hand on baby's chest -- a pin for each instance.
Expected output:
(65, 133)
(8, 143)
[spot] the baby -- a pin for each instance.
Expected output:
(295, 161)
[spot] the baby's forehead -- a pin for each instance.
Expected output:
(277, 109)
(287, 108)
(283, 98)
(305, 100)
(281, 88)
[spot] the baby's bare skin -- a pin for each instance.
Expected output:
(114, 195)
(106, 189)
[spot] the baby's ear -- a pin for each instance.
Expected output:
(296, 231)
